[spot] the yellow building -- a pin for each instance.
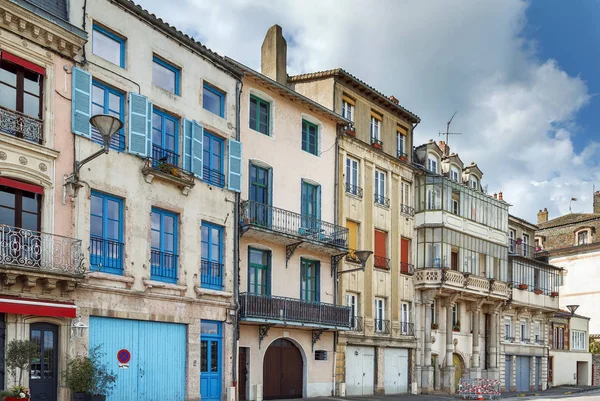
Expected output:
(374, 192)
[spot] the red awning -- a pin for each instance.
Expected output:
(37, 307)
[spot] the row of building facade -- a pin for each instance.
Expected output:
(248, 235)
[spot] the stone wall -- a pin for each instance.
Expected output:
(595, 369)
(564, 236)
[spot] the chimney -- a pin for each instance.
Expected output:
(444, 147)
(543, 216)
(495, 196)
(500, 196)
(597, 202)
(274, 55)
(394, 100)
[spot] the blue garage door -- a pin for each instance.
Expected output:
(156, 369)
(522, 373)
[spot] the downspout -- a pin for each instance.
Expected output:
(236, 251)
(83, 27)
(335, 221)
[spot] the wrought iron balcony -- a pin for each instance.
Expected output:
(407, 210)
(21, 125)
(525, 340)
(293, 311)
(381, 262)
(381, 326)
(213, 177)
(509, 339)
(401, 154)
(106, 255)
(407, 268)
(354, 190)
(407, 329)
(163, 266)
(211, 274)
(41, 252)
(382, 200)
(301, 227)
(356, 323)
(518, 248)
(376, 142)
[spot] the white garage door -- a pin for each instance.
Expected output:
(360, 370)
(395, 371)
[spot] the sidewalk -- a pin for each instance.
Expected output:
(559, 390)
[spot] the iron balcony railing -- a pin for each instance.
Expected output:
(106, 255)
(21, 125)
(282, 221)
(517, 247)
(117, 141)
(382, 262)
(282, 309)
(382, 326)
(509, 339)
(382, 200)
(354, 190)
(163, 266)
(407, 210)
(213, 177)
(401, 154)
(177, 173)
(525, 340)
(407, 268)
(40, 251)
(211, 274)
(539, 341)
(356, 323)
(407, 329)
(376, 142)
(162, 156)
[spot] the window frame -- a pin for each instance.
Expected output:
(507, 329)
(379, 315)
(578, 340)
(306, 140)
(455, 317)
(431, 161)
(259, 101)
(162, 213)
(310, 294)
(120, 135)
(216, 91)
(525, 244)
(401, 144)
(218, 283)
(380, 187)
(120, 259)
(18, 205)
(173, 68)
(207, 157)
(474, 182)
(375, 128)
(405, 194)
(351, 299)
(523, 332)
(347, 106)
(254, 268)
(164, 117)
(578, 233)
(20, 92)
(352, 175)
(111, 35)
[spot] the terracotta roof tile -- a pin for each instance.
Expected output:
(570, 218)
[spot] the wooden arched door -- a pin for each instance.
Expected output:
(282, 371)
(458, 369)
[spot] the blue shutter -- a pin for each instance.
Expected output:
(318, 281)
(81, 108)
(187, 144)
(197, 150)
(138, 125)
(235, 166)
(319, 202)
(268, 273)
(149, 129)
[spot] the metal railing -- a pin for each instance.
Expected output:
(293, 310)
(163, 266)
(213, 177)
(211, 274)
(21, 125)
(408, 210)
(401, 154)
(382, 200)
(117, 142)
(517, 247)
(169, 170)
(381, 326)
(354, 190)
(356, 323)
(525, 340)
(375, 141)
(407, 329)
(162, 156)
(40, 251)
(509, 339)
(106, 255)
(407, 268)
(539, 341)
(283, 221)
(381, 262)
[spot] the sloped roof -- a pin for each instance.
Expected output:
(313, 76)
(571, 218)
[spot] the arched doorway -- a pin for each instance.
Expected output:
(282, 371)
(458, 364)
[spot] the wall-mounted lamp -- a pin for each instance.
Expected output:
(107, 126)
(362, 256)
(78, 328)
(572, 308)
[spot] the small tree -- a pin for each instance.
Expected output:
(594, 346)
(88, 375)
(19, 355)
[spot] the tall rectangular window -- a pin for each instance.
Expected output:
(163, 255)
(511, 240)
(106, 233)
(211, 265)
(381, 261)
(380, 326)
(309, 280)
(108, 45)
(433, 311)
(582, 238)
(348, 108)
(432, 164)
(165, 139)
(352, 240)
(259, 271)
(508, 330)
(310, 137)
(406, 194)
(213, 100)
(352, 186)
(213, 169)
(525, 245)
(405, 266)
(375, 129)
(405, 318)
(455, 317)
(380, 192)
(524, 333)
(310, 208)
(578, 340)
(260, 114)
(165, 75)
(352, 302)
(400, 146)
(106, 100)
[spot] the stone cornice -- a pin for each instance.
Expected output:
(36, 28)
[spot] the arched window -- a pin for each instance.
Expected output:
(474, 182)
(432, 163)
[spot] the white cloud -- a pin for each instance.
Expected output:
(517, 113)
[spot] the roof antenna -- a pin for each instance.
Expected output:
(447, 133)
(572, 200)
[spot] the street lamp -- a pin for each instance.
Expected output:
(572, 308)
(362, 256)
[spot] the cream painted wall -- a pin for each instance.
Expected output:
(565, 367)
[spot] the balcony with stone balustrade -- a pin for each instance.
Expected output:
(454, 281)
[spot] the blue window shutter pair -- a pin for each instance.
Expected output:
(193, 147)
(318, 280)
(81, 108)
(235, 165)
(140, 125)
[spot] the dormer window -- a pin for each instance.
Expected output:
(432, 164)
(474, 182)
(454, 174)
(583, 237)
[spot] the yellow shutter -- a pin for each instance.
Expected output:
(352, 234)
(348, 100)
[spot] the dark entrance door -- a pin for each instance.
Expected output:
(282, 371)
(43, 375)
(2, 342)
(454, 260)
(242, 374)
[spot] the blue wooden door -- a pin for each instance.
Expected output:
(156, 369)
(211, 360)
(522, 373)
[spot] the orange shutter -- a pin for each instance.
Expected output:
(380, 243)
(404, 246)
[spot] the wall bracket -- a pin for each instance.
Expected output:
(316, 336)
(289, 251)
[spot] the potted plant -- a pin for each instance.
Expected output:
(435, 326)
(351, 132)
(88, 377)
(554, 294)
(19, 355)
(377, 145)
(538, 291)
(404, 158)
(523, 286)
(456, 327)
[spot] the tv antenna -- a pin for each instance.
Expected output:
(448, 133)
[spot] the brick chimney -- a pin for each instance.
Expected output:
(500, 196)
(597, 202)
(273, 62)
(542, 216)
(444, 147)
(393, 99)
(495, 196)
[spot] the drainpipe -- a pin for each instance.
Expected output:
(236, 250)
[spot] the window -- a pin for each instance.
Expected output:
(351, 301)
(474, 182)
(538, 333)
(310, 137)
(165, 75)
(524, 333)
(260, 114)
(406, 194)
(400, 138)
(106, 233)
(163, 255)
(380, 326)
(582, 237)
(310, 208)
(375, 129)
(454, 173)
(578, 340)
(405, 318)
(259, 271)
(20, 207)
(432, 163)
(211, 265)
(108, 45)
(320, 355)
(309, 280)
(212, 172)
(106, 100)
(434, 198)
(433, 311)
(165, 140)
(380, 188)
(381, 261)
(213, 100)
(352, 240)
(511, 240)
(348, 108)
(455, 202)
(525, 245)
(558, 334)
(508, 330)
(352, 177)
(455, 318)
